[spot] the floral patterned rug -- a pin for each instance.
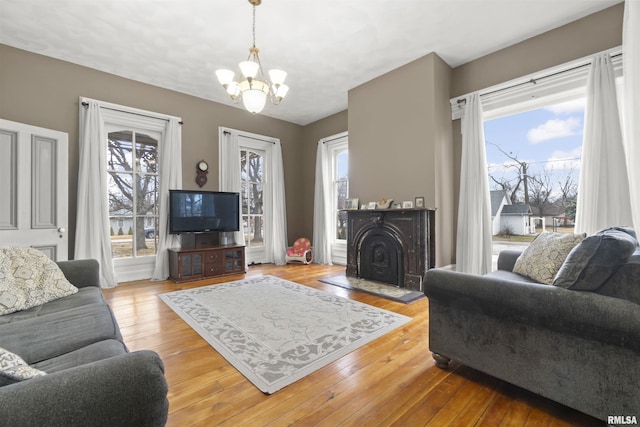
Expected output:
(276, 332)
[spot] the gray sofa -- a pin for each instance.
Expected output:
(579, 348)
(92, 379)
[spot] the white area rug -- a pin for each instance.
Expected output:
(275, 331)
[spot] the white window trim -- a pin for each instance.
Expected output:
(336, 143)
(117, 116)
(264, 144)
(553, 85)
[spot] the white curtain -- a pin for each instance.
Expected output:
(93, 239)
(631, 70)
(230, 178)
(473, 244)
(170, 153)
(603, 199)
(321, 207)
(278, 248)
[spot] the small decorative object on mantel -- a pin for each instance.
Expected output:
(407, 204)
(419, 202)
(351, 204)
(397, 205)
(384, 203)
(372, 205)
(201, 173)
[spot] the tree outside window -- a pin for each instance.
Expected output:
(132, 166)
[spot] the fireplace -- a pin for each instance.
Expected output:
(394, 246)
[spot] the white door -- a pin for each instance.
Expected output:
(34, 188)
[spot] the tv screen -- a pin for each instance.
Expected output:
(202, 211)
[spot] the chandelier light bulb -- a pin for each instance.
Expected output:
(249, 69)
(254, 100)
(277, 76)
(225, 76)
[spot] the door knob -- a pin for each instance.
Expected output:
(62, 229)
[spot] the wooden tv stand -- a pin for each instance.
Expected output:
(201, 263)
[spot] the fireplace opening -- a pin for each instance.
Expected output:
(381, 258)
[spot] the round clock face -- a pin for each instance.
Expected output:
(203, 166)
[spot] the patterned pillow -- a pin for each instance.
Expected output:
(29, 278)
(544, 256)
(13, 369)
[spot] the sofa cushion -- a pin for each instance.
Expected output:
(28, 278)
(91, 353)
(595, 259)
(44, 337)
(13, 369)
(84, 296)
(542, 259)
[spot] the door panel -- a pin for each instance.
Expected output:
(34, 184)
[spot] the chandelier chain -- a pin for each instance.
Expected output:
(254, 25)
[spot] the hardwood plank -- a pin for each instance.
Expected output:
(390, 381)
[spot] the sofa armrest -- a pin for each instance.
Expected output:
(584, 314)
(81, 272)
(125, 390)
(507, 259)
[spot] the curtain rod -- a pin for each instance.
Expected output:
(534, 81)
(226, 132)
(86, 104)
(332, 139)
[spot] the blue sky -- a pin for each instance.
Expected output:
(548, 139)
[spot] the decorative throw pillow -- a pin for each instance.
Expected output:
(595, 259)
(544, 256)
(29, 278)
(13, 369)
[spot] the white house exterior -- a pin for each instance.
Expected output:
(507, 217)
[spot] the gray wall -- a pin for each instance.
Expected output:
(402, 141)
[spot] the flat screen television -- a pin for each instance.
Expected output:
(203, 211)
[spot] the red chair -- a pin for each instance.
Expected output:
(300, 251)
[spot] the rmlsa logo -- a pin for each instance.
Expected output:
(622, 420)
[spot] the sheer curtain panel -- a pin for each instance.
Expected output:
(631, 69)
(321, 207)
(473, 244)
(603, 198)
(278, 217)
(230, 178)
(170, 178)
(93, 240)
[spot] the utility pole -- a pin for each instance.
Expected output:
(525, 178)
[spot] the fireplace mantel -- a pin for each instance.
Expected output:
(403, 239)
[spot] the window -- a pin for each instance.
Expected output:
(534, 164)
(252, 178)
(340, 173)
(132, 166)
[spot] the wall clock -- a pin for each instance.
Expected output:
(201, 173)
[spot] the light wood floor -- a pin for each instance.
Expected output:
(390, 381)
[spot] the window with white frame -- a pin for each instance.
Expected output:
(132, 186)
(340, 189)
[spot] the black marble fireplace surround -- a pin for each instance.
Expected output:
(396, 246)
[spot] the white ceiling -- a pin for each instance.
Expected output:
(327, 47)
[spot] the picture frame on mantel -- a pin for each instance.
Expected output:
(351, 204)
(407, 204)
(419, 202)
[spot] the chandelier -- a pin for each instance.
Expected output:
(254, 88)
